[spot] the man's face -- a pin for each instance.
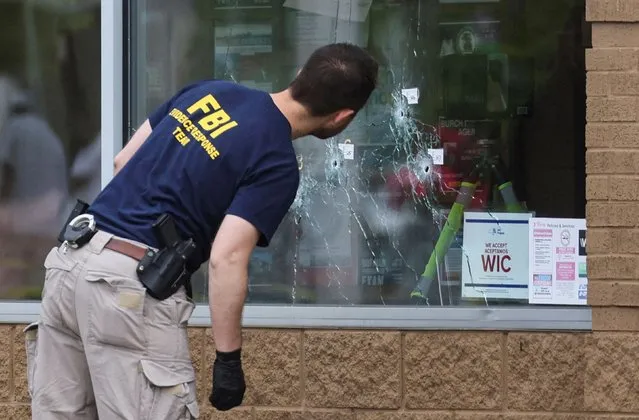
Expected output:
(334, 126)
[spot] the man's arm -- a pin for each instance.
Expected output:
(139, 137)
(142, 133)
(228, 280)
(228, 283)
(259, 205)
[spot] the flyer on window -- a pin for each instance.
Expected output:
(495, 255)
(557, 262)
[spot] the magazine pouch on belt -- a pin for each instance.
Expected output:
(164, 271)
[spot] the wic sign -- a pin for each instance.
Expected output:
(495, 255)
(496, 263)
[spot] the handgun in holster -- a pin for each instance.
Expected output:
(164, 271)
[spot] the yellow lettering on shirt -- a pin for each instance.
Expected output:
(223, 129)
(180, 136)
(215, 119)
(214, 122)
(203, 105)
(183, 137)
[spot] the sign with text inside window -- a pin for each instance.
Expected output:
(558, 262)
(495, 255)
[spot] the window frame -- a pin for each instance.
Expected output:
(113, 101)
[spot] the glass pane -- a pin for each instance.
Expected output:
(49, 130)
(477, 124)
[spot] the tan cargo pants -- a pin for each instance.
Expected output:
(105, 349)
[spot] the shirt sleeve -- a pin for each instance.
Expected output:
(163, 110)
(265, 198)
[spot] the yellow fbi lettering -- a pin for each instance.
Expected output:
(188, 126)
(215, 120)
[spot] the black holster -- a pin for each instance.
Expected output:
(163, 272)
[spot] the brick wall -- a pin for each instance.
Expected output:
(612, 164)
(372, 375)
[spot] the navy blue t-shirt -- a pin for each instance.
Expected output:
(216, 148)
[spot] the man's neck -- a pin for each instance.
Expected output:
(298, 117)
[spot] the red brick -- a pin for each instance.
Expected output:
(612, 135)
(615, 35)
(612, 161)
(612, 10)
(613, 293)
(602, 214)
(612, 266)
(612, 59)
(618, 109)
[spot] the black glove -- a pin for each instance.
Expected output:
(228, 381)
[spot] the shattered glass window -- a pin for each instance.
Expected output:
(476, 125)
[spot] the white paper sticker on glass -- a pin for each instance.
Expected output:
(558, 262)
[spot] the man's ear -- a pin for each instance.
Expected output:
(343, 115)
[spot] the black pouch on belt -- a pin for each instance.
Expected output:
(163, 272)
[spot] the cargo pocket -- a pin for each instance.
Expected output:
(30, 344)
(116, 311)
(167, 391)
(58, 266)
(166, 322)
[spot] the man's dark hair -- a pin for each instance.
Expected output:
(335, 76)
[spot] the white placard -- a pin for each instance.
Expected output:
(495, 255)
(437, 155)
(412, 95)
(558, 273)
(348, 150)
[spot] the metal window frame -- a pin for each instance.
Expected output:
(547, 318)
(525, 318)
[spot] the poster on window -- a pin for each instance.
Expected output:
(558, 262)
(495, 256)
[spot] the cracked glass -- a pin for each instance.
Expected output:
(477, 124)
